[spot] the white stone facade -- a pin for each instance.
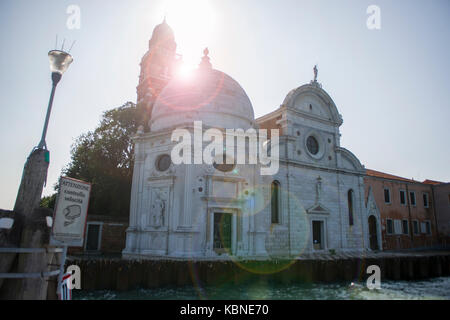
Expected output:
(197, 211)
(315, 187)
(173, 211)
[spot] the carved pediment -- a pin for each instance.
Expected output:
(318, 209)
(168, 173)
(371, 205)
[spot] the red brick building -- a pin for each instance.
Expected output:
(103, 235)
(407, 210)
(441, 195)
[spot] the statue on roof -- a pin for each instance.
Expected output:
(316, 72)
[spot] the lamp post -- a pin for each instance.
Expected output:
(33, 231)
(35, 170)
(59, 63)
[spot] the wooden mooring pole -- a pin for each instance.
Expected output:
(33, 232)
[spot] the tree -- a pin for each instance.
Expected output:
(104, 157)
(48, 201)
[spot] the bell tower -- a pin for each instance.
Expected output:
(157, 66)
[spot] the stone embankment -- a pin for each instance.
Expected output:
(117, 274)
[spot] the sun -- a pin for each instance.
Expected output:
(193, 25)
(184, 71)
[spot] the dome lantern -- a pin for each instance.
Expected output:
(205, 60)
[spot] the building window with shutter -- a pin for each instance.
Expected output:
(423, 227)
(412, 198)
(427, 227)
(405, 227)
(389, 226)
(387, 196)
(403, 197)
(426, 203)
(416, 227)
(398, 226)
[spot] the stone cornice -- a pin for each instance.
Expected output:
(215, 177)
(162, 177)
(322, 168)
(228, 200)
(310, 116)
(399, 181)
(270, 115)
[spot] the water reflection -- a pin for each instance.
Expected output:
(438, 288)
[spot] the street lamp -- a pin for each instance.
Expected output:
(59, 63)
(29, 196)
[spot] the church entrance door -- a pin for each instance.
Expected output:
(318, 243)
(222, 232)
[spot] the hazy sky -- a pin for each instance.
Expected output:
(390, 85)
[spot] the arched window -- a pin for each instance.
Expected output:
(350, 207)
(275, 202)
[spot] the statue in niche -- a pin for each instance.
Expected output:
(318, 189)
(158, 210)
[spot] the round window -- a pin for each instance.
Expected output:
(312, 145)
(224, 167)
(163, 162)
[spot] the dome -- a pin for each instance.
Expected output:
(207, 95)
(163, 30)
(162, 36)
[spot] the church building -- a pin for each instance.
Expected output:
(315, 202)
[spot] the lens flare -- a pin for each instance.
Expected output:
(256, 198)
(185, 72)
(193, 23)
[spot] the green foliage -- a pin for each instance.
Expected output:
(104, 157)
(48, 202)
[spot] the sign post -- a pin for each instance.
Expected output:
(65, 292)
(69, 218)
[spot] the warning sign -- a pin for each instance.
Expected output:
(69, 219)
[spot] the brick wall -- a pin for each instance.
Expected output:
(271, 124)
(112, 238)
(395, 210)
(441, 195)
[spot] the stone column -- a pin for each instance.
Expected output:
(137, 184)
(132, 233)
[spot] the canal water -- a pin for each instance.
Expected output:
(436, 289)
